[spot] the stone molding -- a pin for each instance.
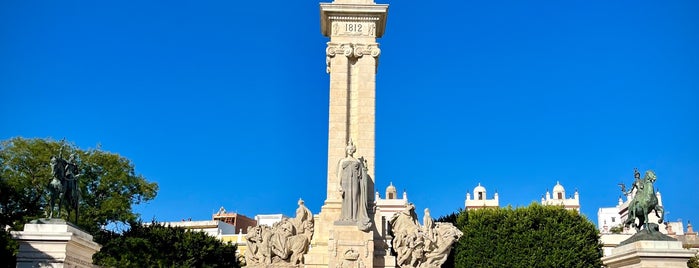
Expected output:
(372, 13)
(350, 50)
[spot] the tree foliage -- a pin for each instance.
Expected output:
(693, 262)
(534, 236)
(617, 229)
(450, 218)
(109, 185)
(155, 245)
(8, 249)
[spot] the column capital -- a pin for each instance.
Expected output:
(350, 50)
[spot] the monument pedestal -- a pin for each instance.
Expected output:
(54, 243)
(648, 254)
(349, 247)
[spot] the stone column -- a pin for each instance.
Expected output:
(351, 57)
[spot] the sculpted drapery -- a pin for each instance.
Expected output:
(353, 176)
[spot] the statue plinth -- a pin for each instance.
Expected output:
(350, 247)
(648, 234)
(337, 242)
(669, 254)
(54, 243)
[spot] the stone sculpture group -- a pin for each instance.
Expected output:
(281, 245)
(417, 246)
(421, 246)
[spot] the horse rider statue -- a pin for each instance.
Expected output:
(63, 187)
(644, 201)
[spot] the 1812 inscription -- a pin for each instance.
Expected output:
(353, 28)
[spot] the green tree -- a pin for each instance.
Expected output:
(155, 245)
(450, 218)
(693, 262)
(8, 249)
(534, 236)
(109, 185)
(617, 229)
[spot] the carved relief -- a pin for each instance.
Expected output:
(351, 255)
(353, 26)
(362, 49)
(351, 259)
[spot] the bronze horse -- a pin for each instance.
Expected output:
(63, 187)
(643, 203)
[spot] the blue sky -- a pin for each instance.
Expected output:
(225, 103)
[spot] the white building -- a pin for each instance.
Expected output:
(559, 198)
(269, 219)
(213, 228)
(609, 217)
(386, 207)
(480, 200)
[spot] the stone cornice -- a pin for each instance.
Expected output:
(353, 12)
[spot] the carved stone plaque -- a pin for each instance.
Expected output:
(354, 28)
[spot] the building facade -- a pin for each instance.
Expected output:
(480, 199)
(241, 222)
(559, 198)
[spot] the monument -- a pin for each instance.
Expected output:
(53, 242)
(349, 230)
(346, 234)
(648, 247)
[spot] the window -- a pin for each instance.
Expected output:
(480, 196)
(560, 195)
(390, 196)
(613, 219)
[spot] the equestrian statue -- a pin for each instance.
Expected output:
(63, 187)
(644, 202)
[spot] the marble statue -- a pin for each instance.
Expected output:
(283, 244)
(63, 187)
(354, 178)
(418, 246)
